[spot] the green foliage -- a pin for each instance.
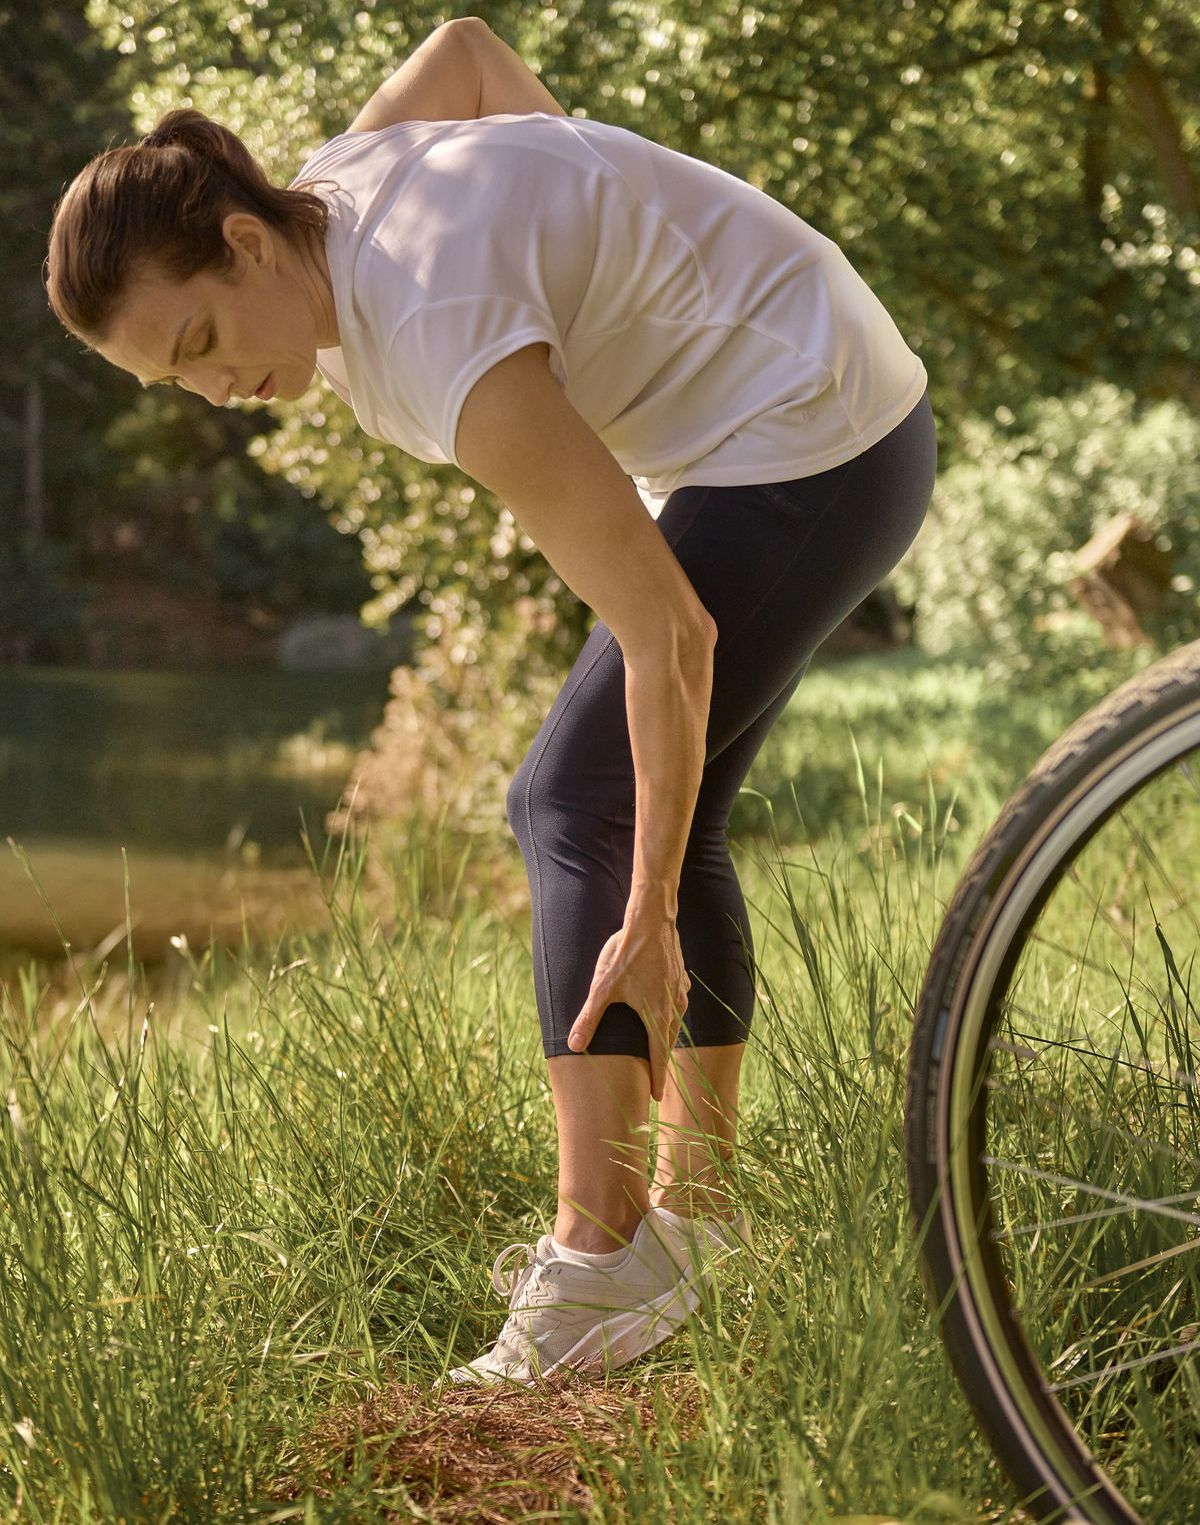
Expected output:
(454, 730)
(210, 519)
(1011, 183)
(430, 539)
(257, 550)
(990, 568)
(936, 738)
(57, 105)
(130, 486)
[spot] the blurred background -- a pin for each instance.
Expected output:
(223, 632)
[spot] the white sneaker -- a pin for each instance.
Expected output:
(592, 1318)
(707, 1240)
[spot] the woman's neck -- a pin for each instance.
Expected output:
(315, 269)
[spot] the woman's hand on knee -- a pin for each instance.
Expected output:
(642, 966)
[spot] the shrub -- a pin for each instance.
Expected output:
(454, 731)
(989, 570)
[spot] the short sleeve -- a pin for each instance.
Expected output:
(441, 352)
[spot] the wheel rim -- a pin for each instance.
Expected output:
(990, 960)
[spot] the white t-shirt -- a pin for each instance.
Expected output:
(705, 332)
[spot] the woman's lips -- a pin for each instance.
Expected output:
(267, 390)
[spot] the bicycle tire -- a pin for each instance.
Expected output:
(1030, 1432)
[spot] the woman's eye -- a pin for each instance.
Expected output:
(212, 339)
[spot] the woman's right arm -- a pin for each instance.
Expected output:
(462, 70)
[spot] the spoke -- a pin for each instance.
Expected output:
(1134, 1204)
(1101, 1212)
(1188, 1349)
(1140, 1265)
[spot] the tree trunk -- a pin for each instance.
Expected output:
(35, 493)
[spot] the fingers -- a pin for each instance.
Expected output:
(666, 1032)
(581, 1030)
(660, 1054)
(662, 1020)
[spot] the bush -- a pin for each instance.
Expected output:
(989, 570)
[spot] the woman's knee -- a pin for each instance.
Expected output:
(546, 803)
(514, 800)
(532, 798)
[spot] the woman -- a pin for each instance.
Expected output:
(559, 306)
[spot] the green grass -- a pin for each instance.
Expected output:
(934, 725)
(243, 1237)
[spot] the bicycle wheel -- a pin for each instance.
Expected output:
(1052, 1115)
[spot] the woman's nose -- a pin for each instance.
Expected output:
(215, 390)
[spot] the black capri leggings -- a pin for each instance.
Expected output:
(778, 566)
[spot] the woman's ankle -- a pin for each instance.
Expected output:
(579, 1233)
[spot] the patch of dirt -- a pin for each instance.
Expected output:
(494, 1455)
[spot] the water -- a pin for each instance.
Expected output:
(202, 777)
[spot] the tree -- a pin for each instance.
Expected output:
(1014, 183)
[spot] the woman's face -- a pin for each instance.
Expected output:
(268, 319)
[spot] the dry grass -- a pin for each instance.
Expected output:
(493, 1455)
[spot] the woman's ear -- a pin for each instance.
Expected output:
(251, 238)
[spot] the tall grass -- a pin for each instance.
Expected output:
(242, 1240)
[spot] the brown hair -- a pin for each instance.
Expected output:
(159, 204)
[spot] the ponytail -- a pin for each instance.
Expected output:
(157, 206)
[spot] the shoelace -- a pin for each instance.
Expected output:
(532, 1279)
(508, 1286)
